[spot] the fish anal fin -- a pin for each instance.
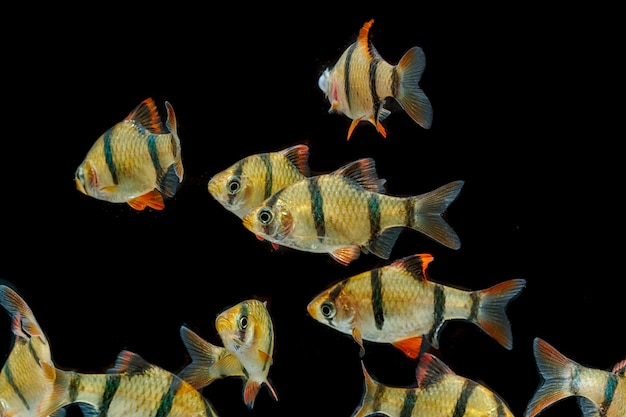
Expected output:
(152, 199)
(346, 254)
(412, 347)
(383, 244)
(250, 391)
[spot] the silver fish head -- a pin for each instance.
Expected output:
(333, 309)
(231, 191)
(86, 178)
(271, 221)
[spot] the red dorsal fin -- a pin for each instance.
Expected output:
(299, 156)
(147, 115)
(431, 369)
(415, 264)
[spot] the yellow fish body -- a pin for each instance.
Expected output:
(137, 161)
(397, 304)
(346, 211)
(439, 393)
(600, 393)
(249, 181)
(247, 332)
(361, 81)
(22, 382)
(132, 388)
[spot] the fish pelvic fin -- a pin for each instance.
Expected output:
(429, 210)
(382, 244)
(492, 310)
(409, 95)
(250, 391)
(369, 399)
(413, 347)
(152, 199)
(556, 371)
(346, 254)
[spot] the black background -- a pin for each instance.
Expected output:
(524, 113)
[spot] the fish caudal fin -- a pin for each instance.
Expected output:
(410, 96)
(208, 361)
(556, 371)
(429, 209)
(58, 398)
(492, 310)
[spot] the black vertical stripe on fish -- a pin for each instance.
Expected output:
(408, 403)
(373, 206)
(346, 80)
(73, 387)
(372, 78)
(334, 293)
(461, 402)
(317, 208)
(501, 408)
(394, 81)
(154, 154)
(377, 298)
(243, 313)
(379, 396)
(270, 345)
(16, 389)
(110, 388)
(165, 405)
(269, 179)
(475, 306)
(609, 391)
(574, 385)
(108, 155)
(439, 307)
(409, 209)
(271, 202)
(236, 174)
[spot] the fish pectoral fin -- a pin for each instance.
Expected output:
(264, 356)
(275, 245)
(228, 365)
(411, 347)
(356, 335)
(152, 199)
(346, 255)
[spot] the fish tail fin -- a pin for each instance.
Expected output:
(492, 310)
(59, 396)
(429, 210)
(207, 361)
(556, 371)
(23, 320)
(410, 95)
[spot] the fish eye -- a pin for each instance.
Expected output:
(243, 322)
(265, 216)
(233, 186)
(328, 310)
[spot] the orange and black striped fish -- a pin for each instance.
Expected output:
(599, 393)
(398, 304)
(137, 161)
(246, 183)
(361, 81)
(346, 212)
(439, 392)
(132, 388)
(22, 383)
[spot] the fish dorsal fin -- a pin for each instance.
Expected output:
(620, 368)
(431, 369)
(363, 173)
(364, 39)
(147, 115)
(23, 321)
(298, 155)
(130, 362)
(415, 264)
